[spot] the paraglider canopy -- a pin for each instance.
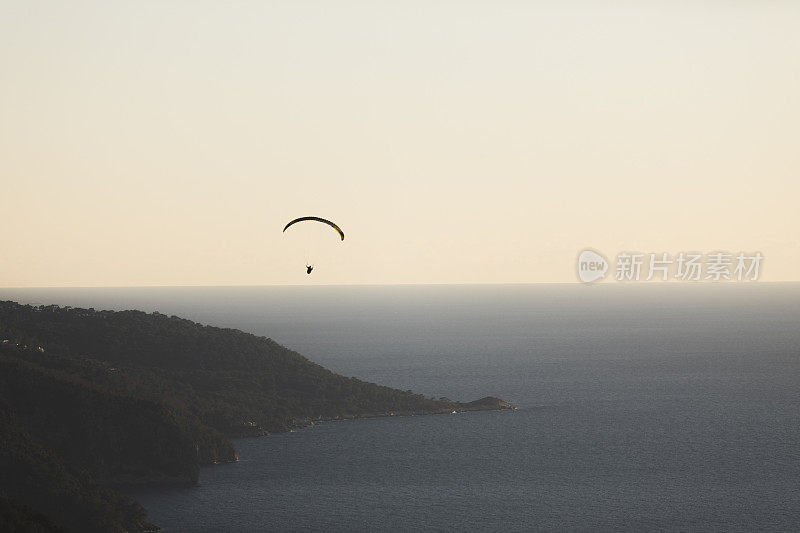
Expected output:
(316, 219)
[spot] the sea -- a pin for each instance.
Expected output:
(641, 407)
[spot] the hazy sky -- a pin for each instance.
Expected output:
(169, 142)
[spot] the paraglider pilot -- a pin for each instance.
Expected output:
(309, 268)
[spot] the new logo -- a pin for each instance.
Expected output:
(591, 266)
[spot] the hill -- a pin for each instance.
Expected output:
(94, 399)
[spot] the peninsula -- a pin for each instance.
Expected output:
(93, 400)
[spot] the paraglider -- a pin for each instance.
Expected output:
(317, 219)
(309, 268)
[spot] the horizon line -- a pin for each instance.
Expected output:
(595, 284)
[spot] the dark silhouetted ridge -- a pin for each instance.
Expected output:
(93, 399)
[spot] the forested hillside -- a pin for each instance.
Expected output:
(91, 397)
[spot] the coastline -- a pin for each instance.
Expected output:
(472, 407)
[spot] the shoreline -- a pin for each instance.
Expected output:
(307, 423)
(488, 403)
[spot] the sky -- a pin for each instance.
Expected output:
(169, 142)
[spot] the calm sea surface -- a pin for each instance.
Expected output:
(640, 407)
